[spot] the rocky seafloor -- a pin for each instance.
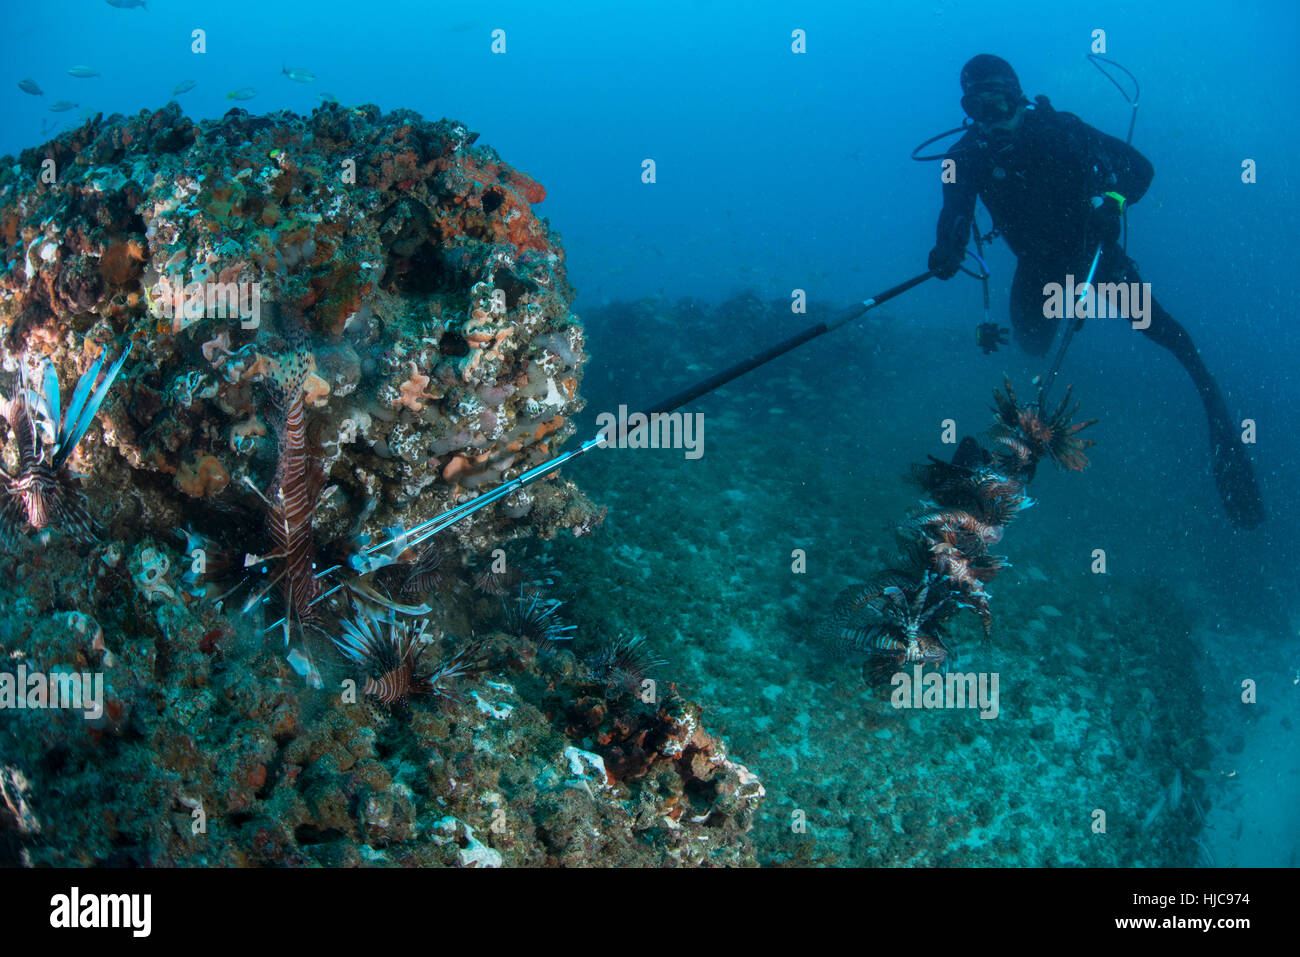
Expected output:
(1103, 695)
(340, 324)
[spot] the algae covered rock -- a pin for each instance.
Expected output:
(401, 264)
(360, 317)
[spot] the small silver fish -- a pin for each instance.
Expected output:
(62, 107)
(184, 86)
(126, 4)
(83, 72)
(299, 76)
(243, 93)
(29, 86)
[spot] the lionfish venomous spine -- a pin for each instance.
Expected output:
(45, 491)
(291, 500)
(392, 655)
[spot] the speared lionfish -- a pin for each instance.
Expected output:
(1026, 433)
(894, 616)
(966, 513)
(44, 490)
(392, 654)
(945, 560)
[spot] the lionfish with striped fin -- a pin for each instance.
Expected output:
(392, 654)
(427, 574)
(45, 490)
(624, 663)
(533, 617)
(292, 499)
(894, 616)
(991, 497)
(1027, 433)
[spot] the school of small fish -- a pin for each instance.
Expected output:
(83, 72)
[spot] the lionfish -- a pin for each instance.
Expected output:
(533, 617)
(1027, 433)
(992, 498)
(44, 490)
(532, 576)
(894, 616)
(945, 543)
(624, 663)
(291, 501)
(426, 575)
(392, 653)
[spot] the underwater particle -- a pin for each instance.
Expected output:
(623, 663)
(533, 617)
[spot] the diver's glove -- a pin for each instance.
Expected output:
(989, 335)
(1103, 220)
(944, 262)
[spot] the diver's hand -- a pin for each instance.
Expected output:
(942, 262)
(1103, 221)
(989, 335)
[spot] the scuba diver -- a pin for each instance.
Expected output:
(1056, 189)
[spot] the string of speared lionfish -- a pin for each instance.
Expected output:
(361, 622)
(944, 563)
(44, 492)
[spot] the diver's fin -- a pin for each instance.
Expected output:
(1235, 480)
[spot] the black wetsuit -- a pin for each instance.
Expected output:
(1038, 184)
